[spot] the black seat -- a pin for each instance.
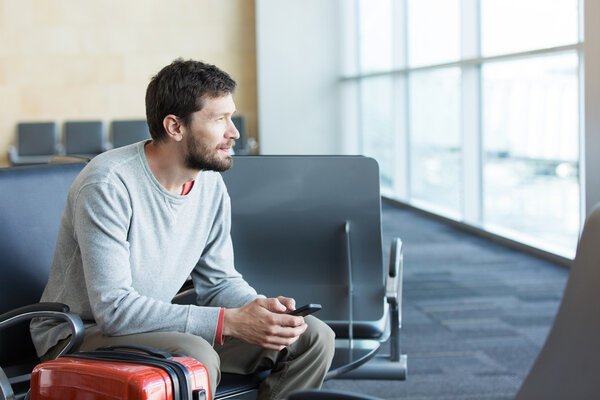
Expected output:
(309, 227)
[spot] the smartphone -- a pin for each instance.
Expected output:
(306, 309)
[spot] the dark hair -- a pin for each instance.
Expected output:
(179, 89)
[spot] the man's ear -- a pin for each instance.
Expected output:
(173, 127)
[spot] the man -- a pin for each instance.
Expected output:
(139, 220)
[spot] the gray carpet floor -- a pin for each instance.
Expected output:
(475, 313)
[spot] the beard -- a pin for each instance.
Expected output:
(201, 157)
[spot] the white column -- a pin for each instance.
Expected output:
(298, 60)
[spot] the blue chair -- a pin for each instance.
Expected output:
(84, 138)
(37, 142)
(126, 132)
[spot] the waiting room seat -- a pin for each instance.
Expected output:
(567, 366)
(31, 203)
(309, 227)
(84, 138)
(36, 143)
(125, 132)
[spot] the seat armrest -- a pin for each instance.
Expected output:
(393, 293)
(393, 284)
(13, 154)
(59, 149)
(47, 310)
(56, 307)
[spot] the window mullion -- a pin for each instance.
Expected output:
(400, 96)
(349, 112)
(471, 114)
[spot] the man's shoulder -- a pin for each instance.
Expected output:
(113, 166)
(124, 159)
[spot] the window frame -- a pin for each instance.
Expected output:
(471, 122)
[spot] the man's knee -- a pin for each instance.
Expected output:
(198, 348)
(320, 337)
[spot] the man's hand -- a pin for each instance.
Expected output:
(264, 322)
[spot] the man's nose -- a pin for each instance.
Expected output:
(232, 131)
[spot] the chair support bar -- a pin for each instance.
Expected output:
(6, 392)
(379, 367)
(48, 310)
(393, 366)
(350, 285)
(394, 297)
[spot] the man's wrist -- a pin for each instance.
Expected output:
(219, 337)
(228, 318)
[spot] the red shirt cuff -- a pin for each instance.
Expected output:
(219, 333)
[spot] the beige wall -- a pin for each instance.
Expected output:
(92, 59)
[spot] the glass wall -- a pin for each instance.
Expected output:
(531, 147)
(376, 124)
(486, 128)
(435, 141)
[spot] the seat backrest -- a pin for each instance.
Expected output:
(289, 216)
(84, 137)
(128, 131)
(32, 200)
(566, 367)
(37, 138)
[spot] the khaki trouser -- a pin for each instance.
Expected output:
(302, 365)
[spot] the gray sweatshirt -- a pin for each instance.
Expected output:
(126, 245)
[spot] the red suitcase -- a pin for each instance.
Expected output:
(110, 374)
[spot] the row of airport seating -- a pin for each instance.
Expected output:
(40, 142)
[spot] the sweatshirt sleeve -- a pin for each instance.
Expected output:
(102, 214)
(216, 281)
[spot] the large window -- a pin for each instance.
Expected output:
(472, 108)
(435, 140)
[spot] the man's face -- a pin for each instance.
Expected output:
(211, 135)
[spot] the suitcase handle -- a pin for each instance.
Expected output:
(180, 379)
(142, 349)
